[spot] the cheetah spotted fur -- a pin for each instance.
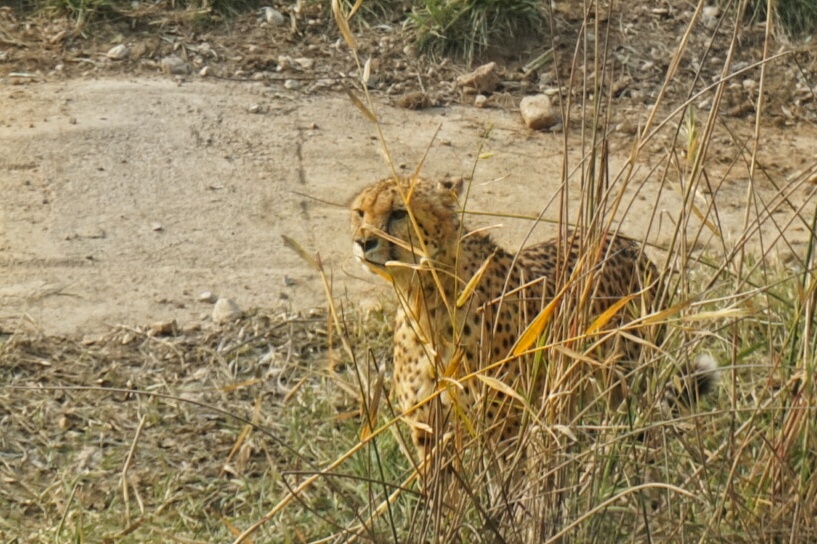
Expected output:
(409, 231)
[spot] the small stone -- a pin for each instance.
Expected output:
(208, 297)
(204, 71)
(156, 227)
(305, 62)
(738, 66)
(546, 79)
(273, 16)
(174, 65)
(254, 108)
(480, 101)
(92, 233)
(226, 310)
(195, 326)
(284, 63)
(484, 79)
(627, 127)
(163, 328)
(749, 84)
(710, 15)
(538, 113)
(118, 52)
(292, 84)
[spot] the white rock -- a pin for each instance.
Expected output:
(273, 16)
(204, 71)
(226, 310)
(292, 84)
(118, 52)
(305, 62)
(710, 15)
(538, 113)
(480, 100)
(749, 84)
(208, 297)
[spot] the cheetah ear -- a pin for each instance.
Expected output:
(450, 187)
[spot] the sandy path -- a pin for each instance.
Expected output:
(124, 199)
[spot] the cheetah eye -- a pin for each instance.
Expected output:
(359, 213)
(398, 214)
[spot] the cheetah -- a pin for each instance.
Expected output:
(464, 301)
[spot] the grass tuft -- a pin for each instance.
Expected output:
(470, 27)
(796, 19)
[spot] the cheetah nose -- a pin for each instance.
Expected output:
(366, 245)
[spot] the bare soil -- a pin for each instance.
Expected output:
(129, 191)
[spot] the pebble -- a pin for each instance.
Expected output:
(538, 112)
(484, 79)
(156, 227)
(118, 52)
(225, 310)
(273, 16)
(208, 297)
(480, 101)
(710, 15)
(284, 63)
(163, 328)
(191, 327)
(305, 62)
(174, 65)
(292, 84)
(627, 127)
(546, 79)
(90, 233)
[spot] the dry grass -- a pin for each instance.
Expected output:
(740, 467)
(179, 437)
(254, 429)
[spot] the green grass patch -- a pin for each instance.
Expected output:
(469, 27)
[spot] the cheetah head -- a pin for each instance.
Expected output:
(405, 222)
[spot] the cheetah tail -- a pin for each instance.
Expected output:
(695, 382)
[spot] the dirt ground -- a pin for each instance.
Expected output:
(127, 192)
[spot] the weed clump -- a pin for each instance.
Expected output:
(469, 27)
